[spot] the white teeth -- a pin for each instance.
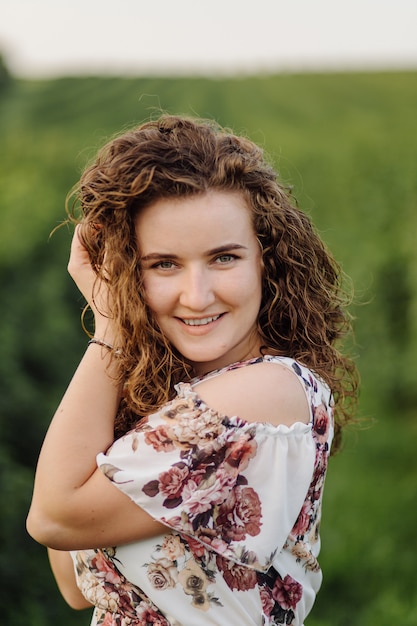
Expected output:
(201, 322)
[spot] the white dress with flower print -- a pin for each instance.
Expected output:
(241, 502)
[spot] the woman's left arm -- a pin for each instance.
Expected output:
(63, 569)
(74, 506)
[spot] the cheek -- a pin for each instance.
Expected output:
(157, 295)
(245, 289)
(254, 281)
(255, 292)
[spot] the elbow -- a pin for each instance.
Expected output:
(43, 530)
(37, 528)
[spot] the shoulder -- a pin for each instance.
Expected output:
(267, 391)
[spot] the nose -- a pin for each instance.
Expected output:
(197, 289)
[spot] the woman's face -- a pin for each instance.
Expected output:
(202, 274)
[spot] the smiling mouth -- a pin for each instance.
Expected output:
(201, 322)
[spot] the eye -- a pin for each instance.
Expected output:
(164, 265)
(223, 259)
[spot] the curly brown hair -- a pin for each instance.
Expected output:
(303, 312)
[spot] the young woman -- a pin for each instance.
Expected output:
(181, 477)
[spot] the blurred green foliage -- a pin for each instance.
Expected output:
(347, 144)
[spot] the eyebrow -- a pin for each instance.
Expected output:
(152, 256)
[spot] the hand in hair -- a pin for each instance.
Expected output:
(92, 286)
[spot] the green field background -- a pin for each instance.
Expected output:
(348, 145)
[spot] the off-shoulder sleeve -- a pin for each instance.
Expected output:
(235, 486)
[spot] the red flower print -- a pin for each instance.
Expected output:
(159, 439)
(148, 615)
(239, 577)
(108, 620)
(302, 524)
(317, 482)
(196, 547)
(321, 423)
(171, 482)
(266, 600)
(201, 497)
(208, 537)
(287, 592)
(105, 570)
(241, 514)
(240, 453)
(320, 464)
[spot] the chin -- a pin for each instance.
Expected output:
(207, 363)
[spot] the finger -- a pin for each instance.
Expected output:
(79, 258)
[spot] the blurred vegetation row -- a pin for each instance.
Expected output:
(347, 144)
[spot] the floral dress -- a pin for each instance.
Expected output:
(241, 502)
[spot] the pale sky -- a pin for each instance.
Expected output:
(48, 38)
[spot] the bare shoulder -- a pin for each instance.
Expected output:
(262, 392)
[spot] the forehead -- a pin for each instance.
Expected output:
(214, 215)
